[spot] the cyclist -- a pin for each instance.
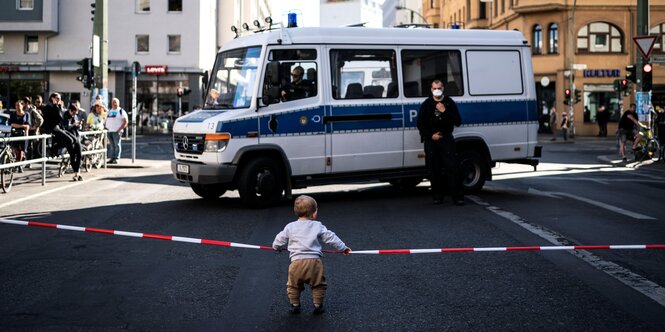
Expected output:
(627, 132)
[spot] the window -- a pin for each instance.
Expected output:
(488, 78)
(420, 68)
(175, 5)
(2, 44)
(26, 4)
(174, 43)
(143, 6)
(233, 78)
(363, 74)
(482, 10)
(658, 31)
(537, 47)
(31, 44)
(142, 43)
(599, 37)
(297, 73)
(553, 39)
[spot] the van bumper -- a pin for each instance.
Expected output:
(202, 174)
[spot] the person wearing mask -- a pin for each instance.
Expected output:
(437, 118)
(116, 121)
(53, 115)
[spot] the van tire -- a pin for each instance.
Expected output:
(208, 191)
(474, 170)
(260, 183)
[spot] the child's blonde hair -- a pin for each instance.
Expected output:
(304, 206)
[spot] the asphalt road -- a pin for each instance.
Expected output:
(63, 280)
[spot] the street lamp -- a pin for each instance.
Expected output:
(412, 12)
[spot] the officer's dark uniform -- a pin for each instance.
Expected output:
(441, 154)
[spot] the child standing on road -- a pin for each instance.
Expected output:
(302, 240)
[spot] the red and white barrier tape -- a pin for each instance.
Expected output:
(370, 252)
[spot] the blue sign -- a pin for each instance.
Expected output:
(602, 73)
(643, 103)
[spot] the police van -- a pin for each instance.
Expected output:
(354, 115)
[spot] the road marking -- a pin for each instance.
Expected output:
(635, 281)
(47, 192)
(592, 202)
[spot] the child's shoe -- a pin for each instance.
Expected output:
(295, 309)
(318, 309)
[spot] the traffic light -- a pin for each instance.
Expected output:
(178, 92)
(577, 97)
(92, 12)
(85, 71)
(182, 91)
(566, 96)
(631, 76)
(647, 77)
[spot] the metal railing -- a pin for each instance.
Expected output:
(44, 158)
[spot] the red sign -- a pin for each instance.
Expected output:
(8, 68)
(156, 70)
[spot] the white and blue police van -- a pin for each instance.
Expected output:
(354, 115)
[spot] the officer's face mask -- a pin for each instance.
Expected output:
(437, 92)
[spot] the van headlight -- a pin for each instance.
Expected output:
(216, 142)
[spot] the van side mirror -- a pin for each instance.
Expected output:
(272, 73)
(204, 83)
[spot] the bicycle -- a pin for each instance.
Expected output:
(7, 156)
(647, 147)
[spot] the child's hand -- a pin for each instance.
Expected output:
(347, 251)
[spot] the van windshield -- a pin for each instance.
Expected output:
(233, 78)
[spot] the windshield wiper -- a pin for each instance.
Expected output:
(220, 106)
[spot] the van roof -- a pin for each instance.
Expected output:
(380, 36)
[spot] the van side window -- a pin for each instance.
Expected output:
(363, 74)
(421, 67)
(297, 72)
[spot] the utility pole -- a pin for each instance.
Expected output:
(642, 30)
(100, 58)
(571, 73)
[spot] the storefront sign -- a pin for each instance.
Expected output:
(156, 70)
(5, 69)
(602, 73)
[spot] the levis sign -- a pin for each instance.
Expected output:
(156, 70)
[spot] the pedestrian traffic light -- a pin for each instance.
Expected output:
(577, 98)
(85, 72)
(179, 92)
(566, 96)
(631, 76)
(647, 77)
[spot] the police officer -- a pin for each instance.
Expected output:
(437, 118)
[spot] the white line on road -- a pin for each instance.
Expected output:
(592, 202)
(625, 276)
(47, 192)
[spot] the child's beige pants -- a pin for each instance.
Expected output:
(306, 271)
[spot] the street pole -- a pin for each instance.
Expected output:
(136, 67)
(571, 73)
(101, 30)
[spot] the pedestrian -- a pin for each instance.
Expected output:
(19, 121)
(602, 117)
(564, 126)
(36, 120)
(303, 240)
(553, 123)
(81, 114)
(96, 119)
(116, 121)
(53, 115)
(437, 118)
(627, 132)
(71, 121)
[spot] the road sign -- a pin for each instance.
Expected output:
(645, 44)
(579, 66)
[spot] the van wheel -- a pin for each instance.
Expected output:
(260, 183)
(405, 183)
(208, 191)
(474, 170)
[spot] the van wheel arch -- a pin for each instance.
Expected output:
(474, 159)
(262, 178)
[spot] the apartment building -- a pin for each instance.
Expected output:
(602, 45)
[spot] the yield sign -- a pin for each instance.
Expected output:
(645, 44)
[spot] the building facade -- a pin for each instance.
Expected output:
(41, 42)
(602, 47)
